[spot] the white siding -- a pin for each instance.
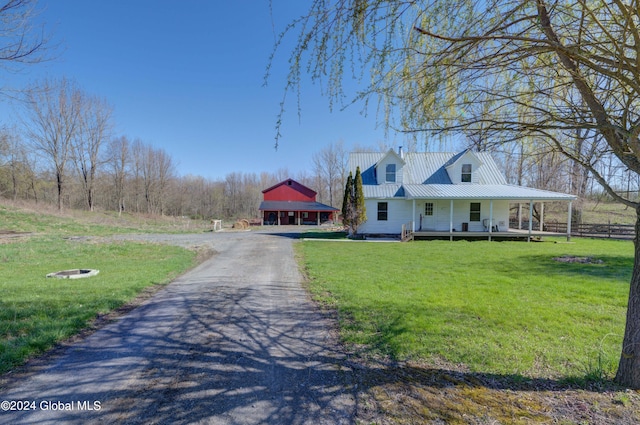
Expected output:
(401, 212)
(398, 213)
(381, 169)
(461, 212)
(455, 170)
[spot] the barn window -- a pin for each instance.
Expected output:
(474, 211)
(305, 214)
(391, 173)
(382, 211)
(428, 208)
(466, 173)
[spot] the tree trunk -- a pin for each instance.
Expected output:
(60, 187)
(628, 373)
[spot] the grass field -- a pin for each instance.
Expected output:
(36, 312)
(506, 308)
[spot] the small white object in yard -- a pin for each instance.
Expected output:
(74, 273)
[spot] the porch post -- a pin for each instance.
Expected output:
(490, 218)
(451, 220)
(278, 218)
(530, 219)
(541, 216)
(318, 217)
(519, 215)
(569, 222)
(413, 217)
(299, 218)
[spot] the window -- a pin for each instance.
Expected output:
(466, 173)
(391, 173)
(305, 214)
(428, 208)
(382, 211)
(474, 211)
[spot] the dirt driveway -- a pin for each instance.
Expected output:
(234, 341)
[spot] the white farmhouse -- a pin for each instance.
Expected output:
(441, 194)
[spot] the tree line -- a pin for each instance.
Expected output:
(64, 152)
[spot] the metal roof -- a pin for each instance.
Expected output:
(383, 191)
(425, 167)
(294, 206)
(425, 177)
(482, 191)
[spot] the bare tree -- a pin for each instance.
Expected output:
(21, 42)
(157, 172)
(94, 129)
(118, 160)
(53, 115)
(536, 69)
(14, 161)
(330, 165)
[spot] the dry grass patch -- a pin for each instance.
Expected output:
(413, 393)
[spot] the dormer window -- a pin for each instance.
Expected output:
(466, 173)
(391, 173)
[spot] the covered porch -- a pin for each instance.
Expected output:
(508, 235)
(283, 213)
(490, 229)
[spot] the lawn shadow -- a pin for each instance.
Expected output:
(598, 266)
(302, 232)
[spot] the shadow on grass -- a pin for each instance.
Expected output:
(292, 232)
(597, 266)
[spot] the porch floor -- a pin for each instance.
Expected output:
(511, 234)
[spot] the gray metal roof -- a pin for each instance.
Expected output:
(383, 191)
(481, 191)
(425, 177)
(425, 167)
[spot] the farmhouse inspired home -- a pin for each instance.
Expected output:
(290, 202)
(442, 194)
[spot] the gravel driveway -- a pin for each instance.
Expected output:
(234, 341)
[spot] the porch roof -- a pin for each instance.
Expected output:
(464, 191)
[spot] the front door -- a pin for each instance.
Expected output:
(429, 216)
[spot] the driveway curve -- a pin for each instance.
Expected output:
(234, 341)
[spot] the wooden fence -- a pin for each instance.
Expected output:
(606, 230)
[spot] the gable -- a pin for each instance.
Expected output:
(389, 169)
(426, 168)
(289, 190)
(463, 168)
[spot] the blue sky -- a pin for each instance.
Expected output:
(187, 76)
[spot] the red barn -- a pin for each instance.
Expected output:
(290, 202)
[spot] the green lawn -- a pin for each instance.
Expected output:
(497, 307)
(36, 312)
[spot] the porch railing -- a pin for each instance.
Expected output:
(407, 232)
